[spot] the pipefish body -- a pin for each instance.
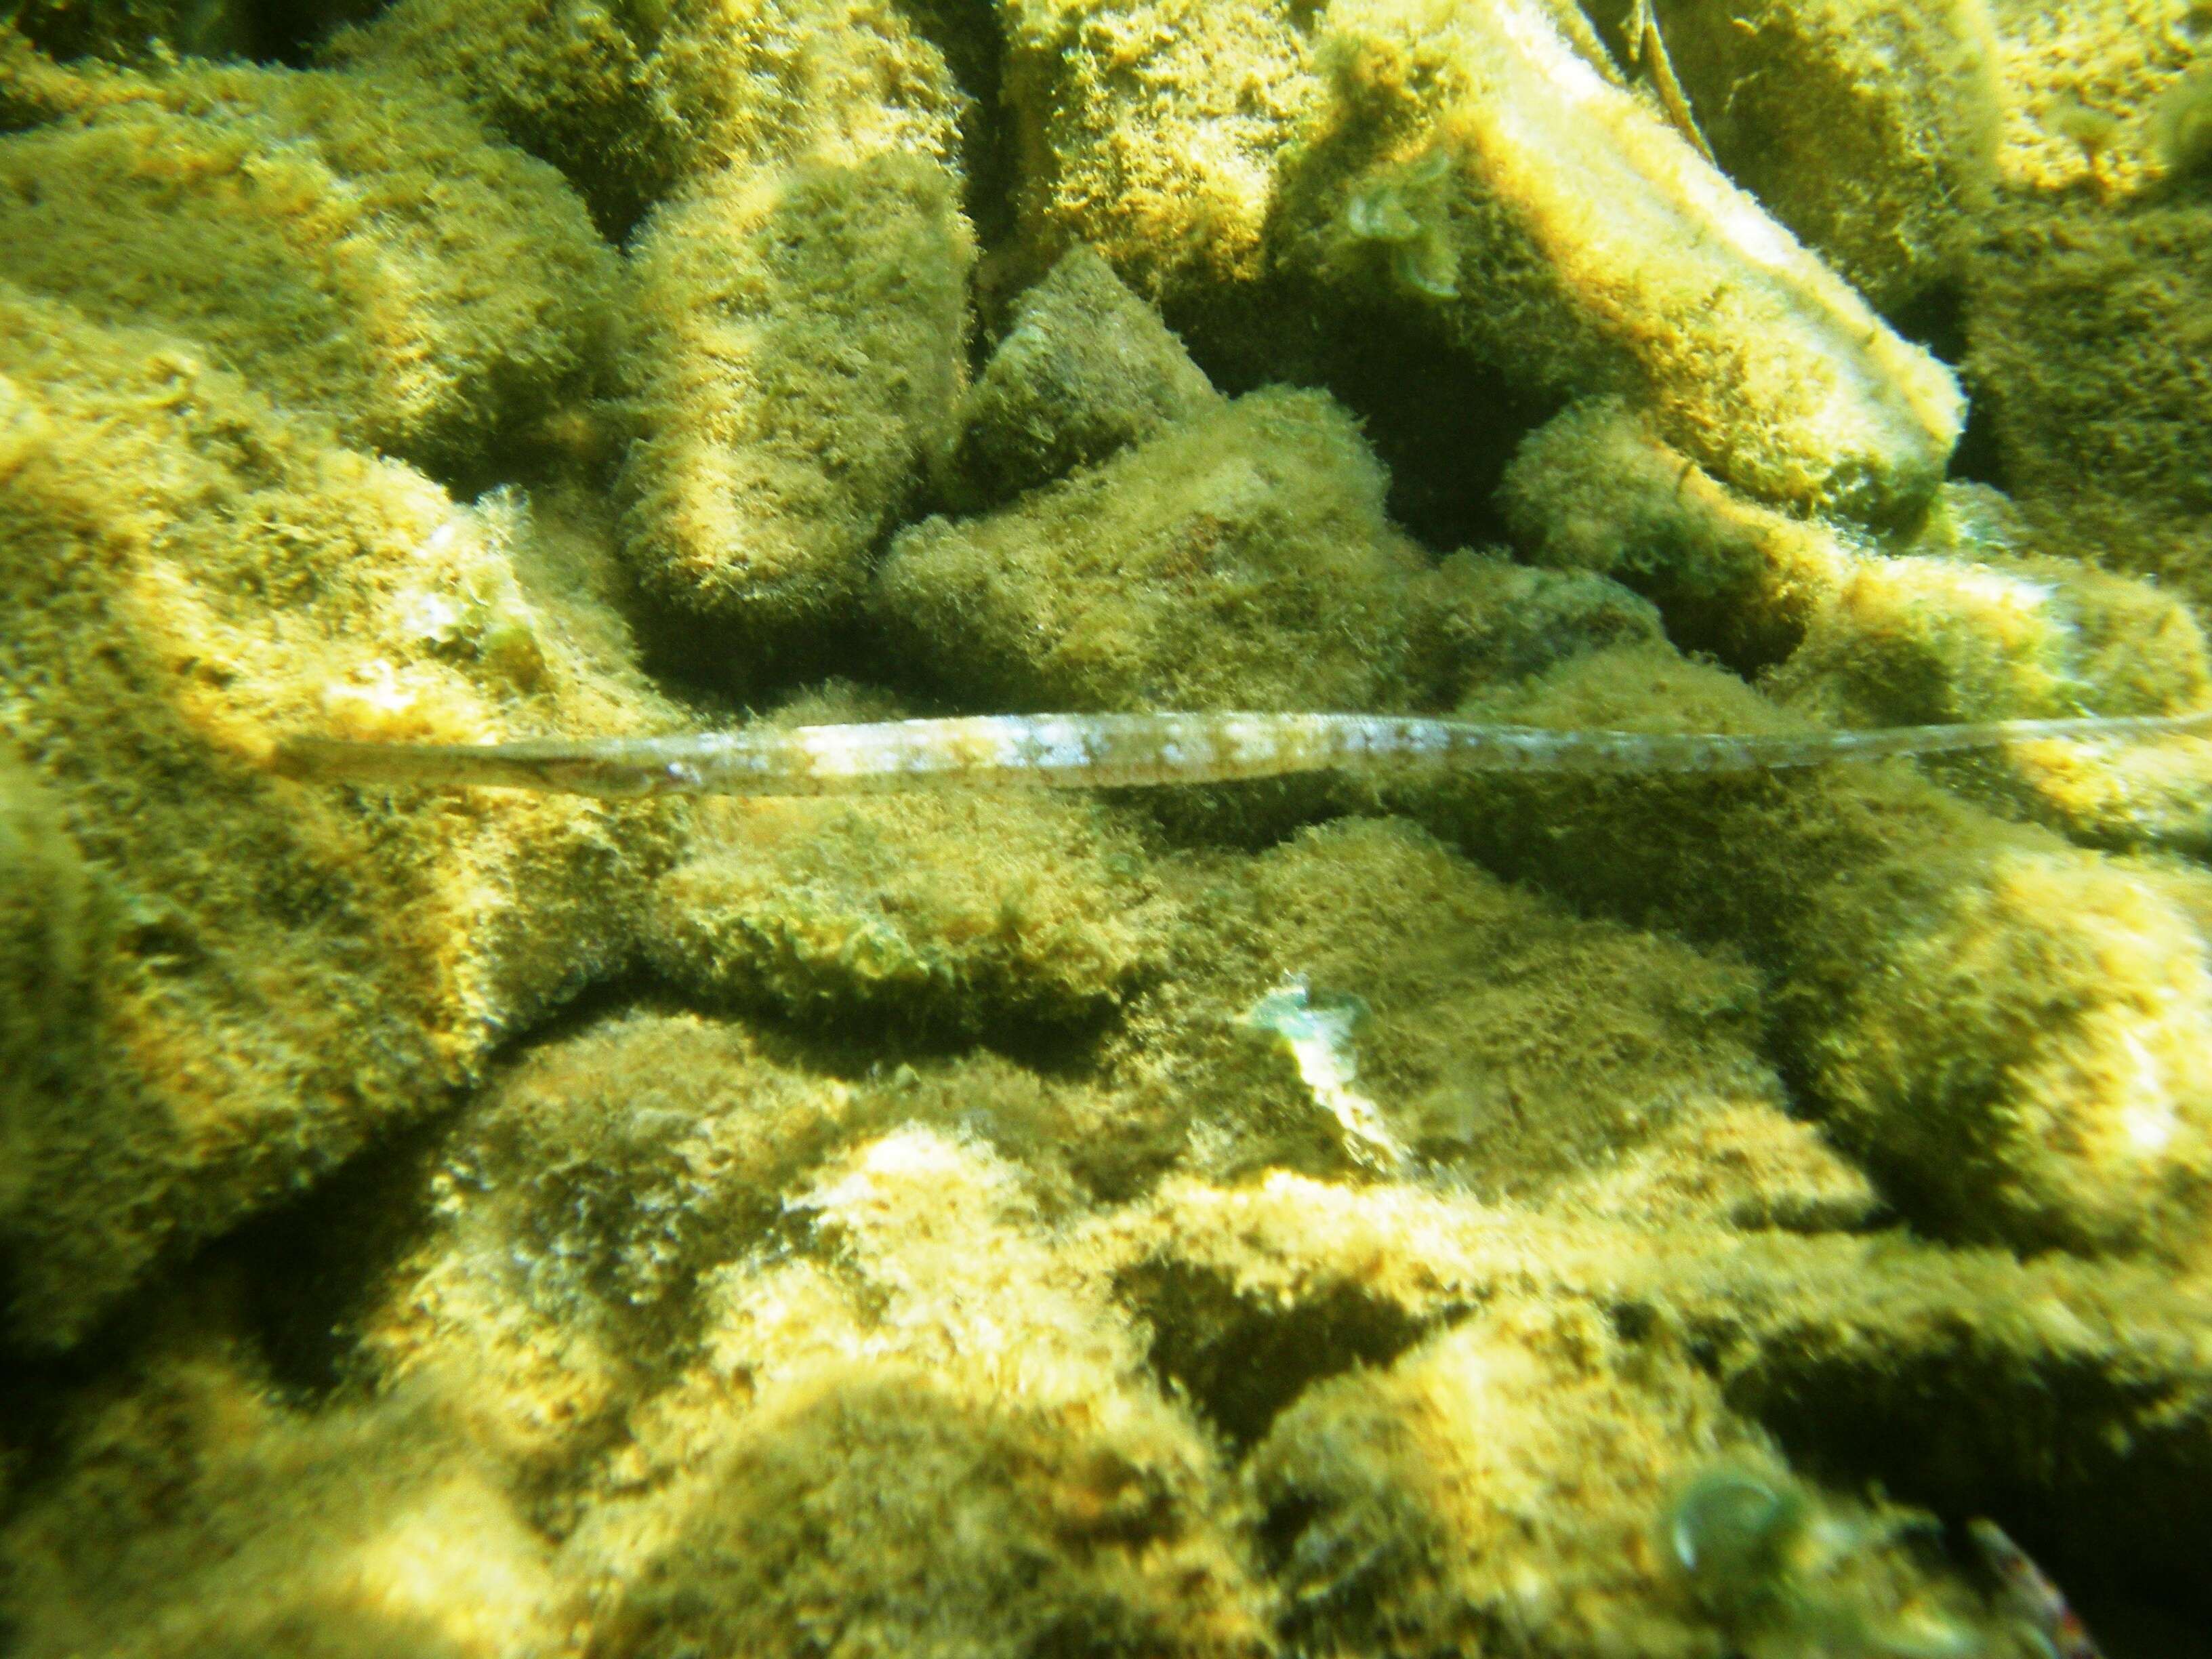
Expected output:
(1124, 751)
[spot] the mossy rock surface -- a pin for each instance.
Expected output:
(932, 913)
(356, 246)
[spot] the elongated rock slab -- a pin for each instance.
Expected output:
(1475, 163)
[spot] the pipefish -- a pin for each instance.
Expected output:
(1124, 751)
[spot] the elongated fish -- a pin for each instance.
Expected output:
(1124, 751)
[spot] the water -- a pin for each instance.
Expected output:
(1386, 1209)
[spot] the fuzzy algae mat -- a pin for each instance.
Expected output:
(1558, 1215)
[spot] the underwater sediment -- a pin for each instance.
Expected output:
(1578, 1212)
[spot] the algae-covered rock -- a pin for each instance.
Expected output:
(2090, 331)
(587, 1200)
(1970, 620)
(1360, 1002)
(570, 84)
(1502, 620)
(1748, 1165)
(1406, 1518)
(1966, 618)
(1259, 1290)
(1239, 560)
(1474, 166)
(199, 1515)
(2181, 125)
(924, 915)
(358, 249)
(2037, 1062)
(1087, 368)
(918, 1394)
(928, 912)
(1151, 130)
(2086, 327)
(579, 1202)
(2008, 1027)
(283, 971)
(893, 1514)
(126, 29)
(1596, 489)
(799, 353)
(587, 1191)
(50, 918)
(1963, 619)
(1871, 132)
(631, 101)
(1459, 1026)
(1529, 1481)
(2082, 87)
(1477, 168)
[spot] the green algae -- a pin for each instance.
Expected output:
(799, 356)
(2182, 121)
(361, 249)
(1085, 370)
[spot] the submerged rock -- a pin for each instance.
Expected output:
(360, 250)
(1240, 559)
(1871, 132)
(798, 356)
(1086, 369)
(224, 1522)
(1530, 1481)
(2008, 1028)
(933, 913)
(2081, 88)
(1153, 130)
(280, 974)
(1473, 163)
(631, 103)
(2090, 331)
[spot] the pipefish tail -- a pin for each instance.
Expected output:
(1124, 751)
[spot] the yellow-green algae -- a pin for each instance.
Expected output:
(1530, 1482)
(189, 569)
(912, 1243)
(799, 354)
(797, 321)
(1871, 132)
(1595, 246)
(631, 101)
(51, 914)
(2090, 331)
(2011, 1028)
(364, 1532)
(1151, 130)
(1963, 619)
(2081, 89)
(932, 911)
(1239, 559)
(358, 247)
(1085, 368)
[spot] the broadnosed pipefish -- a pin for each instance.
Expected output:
(1125, 751)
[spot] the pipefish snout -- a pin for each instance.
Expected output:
(1123, 751)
